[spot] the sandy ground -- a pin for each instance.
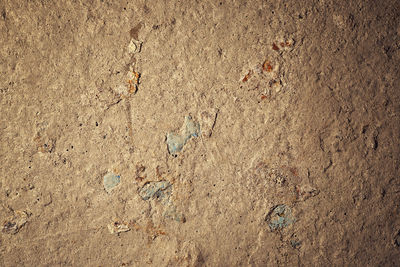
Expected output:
(199, 133)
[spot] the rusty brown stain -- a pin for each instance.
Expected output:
(134, 32)
(134, 83)
(267, 66)
(247, 76)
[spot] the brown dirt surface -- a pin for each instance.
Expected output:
(199, 133)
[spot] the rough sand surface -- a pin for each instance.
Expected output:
(282, 120)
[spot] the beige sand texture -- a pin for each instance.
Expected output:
(295, 161)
